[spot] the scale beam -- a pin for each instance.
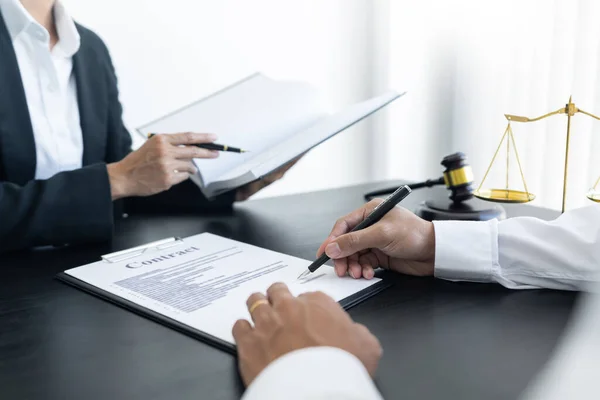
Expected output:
(516, 196)
(518, 118)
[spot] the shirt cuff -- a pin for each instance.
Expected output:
(314, 373)
(466, 250)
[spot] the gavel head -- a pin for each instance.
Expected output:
(458, 177)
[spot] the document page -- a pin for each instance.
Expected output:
(298, 143)
(325, 128)
(205, 280)
(254, 114)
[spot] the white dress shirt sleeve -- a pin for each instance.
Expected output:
(522, 253)
(316, 373)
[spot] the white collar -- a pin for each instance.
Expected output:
(68, 35)
(17, 20)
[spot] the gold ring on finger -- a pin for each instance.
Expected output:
(257, 304)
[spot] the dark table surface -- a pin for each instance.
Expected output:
(440, 339)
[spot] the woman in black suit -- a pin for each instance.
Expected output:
(65, 155)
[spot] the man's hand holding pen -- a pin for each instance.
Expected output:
(400, 241)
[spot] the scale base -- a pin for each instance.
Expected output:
(472, 210)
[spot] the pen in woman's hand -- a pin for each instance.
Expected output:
(214, 146)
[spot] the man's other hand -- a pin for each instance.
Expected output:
(284, 323)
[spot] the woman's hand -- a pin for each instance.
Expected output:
(250, 189)
(162, 162)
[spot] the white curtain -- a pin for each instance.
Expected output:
(168, 54)
(465, 63)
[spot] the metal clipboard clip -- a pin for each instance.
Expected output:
(139, 250)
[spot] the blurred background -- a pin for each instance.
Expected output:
(463, 63)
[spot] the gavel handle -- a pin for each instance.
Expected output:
(413, 186)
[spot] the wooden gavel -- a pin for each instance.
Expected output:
(458, 178)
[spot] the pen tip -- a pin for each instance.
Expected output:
(304, 274)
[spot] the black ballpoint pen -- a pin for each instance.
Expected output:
(220, 147)
(379, 212)
(214, 146)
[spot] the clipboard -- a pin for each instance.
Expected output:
(139, 250)
(171, 323)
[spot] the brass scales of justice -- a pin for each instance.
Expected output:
(508, 195)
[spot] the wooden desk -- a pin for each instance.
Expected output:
(440, 339)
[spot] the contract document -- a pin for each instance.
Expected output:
(199, 285)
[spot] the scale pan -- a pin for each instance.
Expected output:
(505, 195)
(594, 195)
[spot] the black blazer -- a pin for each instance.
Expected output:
(75, 206)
